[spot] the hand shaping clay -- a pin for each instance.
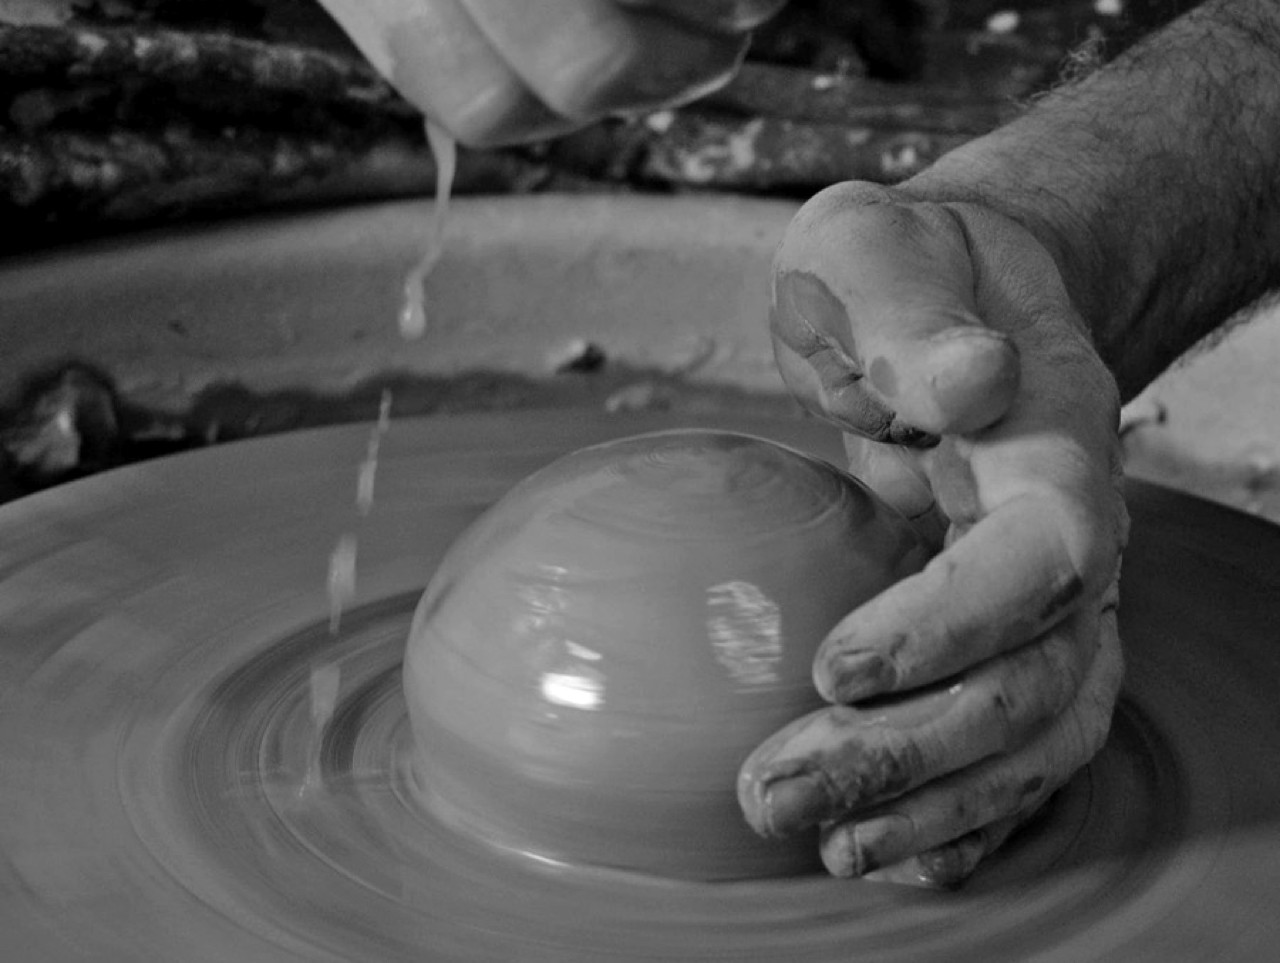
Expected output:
(598, 654)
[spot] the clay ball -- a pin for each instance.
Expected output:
(600, 651)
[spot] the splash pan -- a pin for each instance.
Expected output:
(166, 794)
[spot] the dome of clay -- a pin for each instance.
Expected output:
(600, 651)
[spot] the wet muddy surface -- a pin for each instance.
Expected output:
(168, 642)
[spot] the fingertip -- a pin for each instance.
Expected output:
(945, 867)
(750, 801)
(824, 675)
(777, 804)
(857, 848)
(838, 849)
(754, 776)
(845, 675)
(796, 803)
(948, 866)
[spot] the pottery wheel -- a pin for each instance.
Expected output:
(181, 779)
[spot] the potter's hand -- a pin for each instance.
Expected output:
(905, 322)
(496, 71)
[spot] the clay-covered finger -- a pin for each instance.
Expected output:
(842, 759)
(952, 863)
(998, 788)
(587, 58)
(728, 16)
(856, 848)
(441, 61)
(879, 292)
(1012, 575)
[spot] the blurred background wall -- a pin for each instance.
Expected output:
(119, 115)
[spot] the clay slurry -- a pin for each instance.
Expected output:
(413, 312)
(341, 584)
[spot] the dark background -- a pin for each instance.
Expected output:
(247, 104)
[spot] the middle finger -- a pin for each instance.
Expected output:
(1013, 574)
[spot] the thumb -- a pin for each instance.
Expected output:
(875, 323)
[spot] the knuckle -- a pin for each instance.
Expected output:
(1035, 684)
(1032, 790)
(879, 772)
(967, 807)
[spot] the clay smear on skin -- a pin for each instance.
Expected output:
(341, 583)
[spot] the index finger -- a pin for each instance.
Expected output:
(1015, 573)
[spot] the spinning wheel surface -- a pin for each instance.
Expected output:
(165, 792)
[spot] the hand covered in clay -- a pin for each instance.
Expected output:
(499, 72)
(942, 339)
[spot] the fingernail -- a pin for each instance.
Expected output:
(796, 803)
(950, 865)
(856, 674)
(881, 841)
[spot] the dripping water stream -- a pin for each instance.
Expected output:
(412, 322)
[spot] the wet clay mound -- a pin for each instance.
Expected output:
(599, 653)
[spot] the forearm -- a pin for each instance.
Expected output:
(1155, 182)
